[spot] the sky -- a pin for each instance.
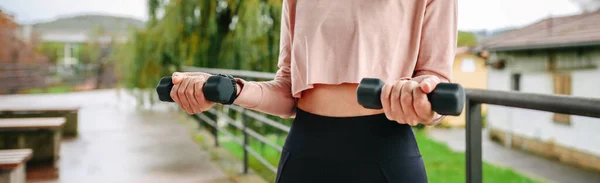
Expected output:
(472, 14)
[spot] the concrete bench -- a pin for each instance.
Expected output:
(70, 113)
(12, 165)
(42, 135)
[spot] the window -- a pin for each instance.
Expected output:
(467, 65)
(551, 64)
(516, 81)
(562, 86)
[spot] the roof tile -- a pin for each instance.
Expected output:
(551, 32)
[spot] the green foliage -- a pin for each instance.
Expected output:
(86, 53)
(233, 34)
(466, 39)
(52, 89)
(267, 152)
(53, 50)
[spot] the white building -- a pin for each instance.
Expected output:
(72, 40)
(554, 56)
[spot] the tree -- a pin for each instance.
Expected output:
(12, 48)
(19, 58)
(466, 39)
(7, 38)
(53, 50)
(100, 52)
(234, 34)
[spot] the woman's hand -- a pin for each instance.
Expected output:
(187, 91)
(406, 100)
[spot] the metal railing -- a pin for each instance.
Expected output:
(242, 124)
(551, 103)
(475, 97)
(246, 131)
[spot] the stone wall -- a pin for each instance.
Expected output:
(548, 150)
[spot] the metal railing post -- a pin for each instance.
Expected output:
(215, 131)
(473, 133)
(245, 125)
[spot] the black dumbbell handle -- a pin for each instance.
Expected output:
(445, 99)
(216, 89)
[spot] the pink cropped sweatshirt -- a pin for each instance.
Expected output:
(343, 41)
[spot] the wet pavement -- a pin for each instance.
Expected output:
(522, 162)
(120, 142)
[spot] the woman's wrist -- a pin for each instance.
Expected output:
(249, 94)
(239, 85)
(436, 119)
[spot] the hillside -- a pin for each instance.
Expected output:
(86, 23)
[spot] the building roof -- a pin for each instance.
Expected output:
(556, 32)
(77, 37)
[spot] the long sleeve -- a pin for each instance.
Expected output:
(275, 96)
(438, 40)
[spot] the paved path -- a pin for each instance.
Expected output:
(121, 143)
(535, 166)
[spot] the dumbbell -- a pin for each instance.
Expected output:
(445, 99)
(216, 89)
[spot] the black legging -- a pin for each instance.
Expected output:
(368, 149)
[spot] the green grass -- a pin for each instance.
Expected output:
(441, 163)
(267, 152)
(52, 89)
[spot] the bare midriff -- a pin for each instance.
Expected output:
(333, 100)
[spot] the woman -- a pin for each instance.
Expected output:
(326, 48)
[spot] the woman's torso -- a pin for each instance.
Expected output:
(338, 42)
(333, 100)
